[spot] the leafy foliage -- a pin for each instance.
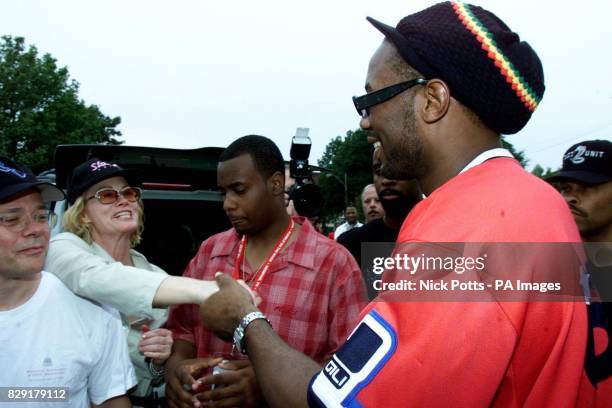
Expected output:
(40, 108)
(519, 155)
(351, 155)
(542, 172)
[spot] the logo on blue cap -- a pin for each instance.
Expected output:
(7, 169)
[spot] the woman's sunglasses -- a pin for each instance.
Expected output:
(110, 195)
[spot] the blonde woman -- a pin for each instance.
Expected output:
(96, 260)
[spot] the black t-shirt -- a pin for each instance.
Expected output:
(373, 231)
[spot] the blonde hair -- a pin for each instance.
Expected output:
(73, 221)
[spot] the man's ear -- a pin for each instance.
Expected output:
(276, 183)
(437, 101)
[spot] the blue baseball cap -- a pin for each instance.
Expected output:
(16, 178)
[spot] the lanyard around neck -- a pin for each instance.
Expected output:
(260, 273)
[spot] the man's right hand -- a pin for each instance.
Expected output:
(180, 381)
(223, 311)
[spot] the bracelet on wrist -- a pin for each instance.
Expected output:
(156, 370)
(239, 332)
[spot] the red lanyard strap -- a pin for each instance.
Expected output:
(260, 274)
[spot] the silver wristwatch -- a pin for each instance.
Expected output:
(239, 332)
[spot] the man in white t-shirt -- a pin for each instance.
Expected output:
(56, 349)
(350, 215)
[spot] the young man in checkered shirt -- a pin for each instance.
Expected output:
(312, 290)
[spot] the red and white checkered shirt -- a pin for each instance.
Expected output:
(312, 293)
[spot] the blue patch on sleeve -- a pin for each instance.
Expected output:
(355, 364)
(362, 345)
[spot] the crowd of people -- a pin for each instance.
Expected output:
(273, 313)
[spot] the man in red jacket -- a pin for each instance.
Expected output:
(443, 86)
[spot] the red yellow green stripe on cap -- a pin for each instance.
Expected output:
(507, 69)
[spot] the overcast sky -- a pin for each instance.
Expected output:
(193, 73)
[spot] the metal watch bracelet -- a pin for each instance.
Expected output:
(239, 337)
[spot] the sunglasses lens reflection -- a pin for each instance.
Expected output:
(130, 194)
(107, 196)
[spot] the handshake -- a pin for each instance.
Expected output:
(216, 380)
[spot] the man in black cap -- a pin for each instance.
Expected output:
(585, 181)
(443, 86)
(50, 338)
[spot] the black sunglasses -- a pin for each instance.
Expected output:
(365, 102)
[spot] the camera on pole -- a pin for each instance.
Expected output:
(307, 198)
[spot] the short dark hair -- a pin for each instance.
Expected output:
(400, 66)
(266, 155)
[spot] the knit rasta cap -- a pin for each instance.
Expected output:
(485, 64)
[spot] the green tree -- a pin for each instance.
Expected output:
(542, 172)
(519, 155)
(40, 108)
(351, 155)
